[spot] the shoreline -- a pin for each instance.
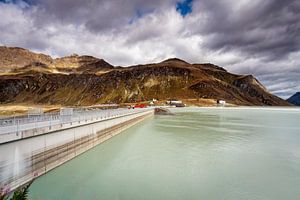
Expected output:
(245, 107)
(10, 110)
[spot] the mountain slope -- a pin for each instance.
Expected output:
(295, 99)
(12, 58)
(88, 80)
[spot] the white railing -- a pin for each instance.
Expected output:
(17, 126)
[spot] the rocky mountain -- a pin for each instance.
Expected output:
(80, 64)
(15, 60)
(85, 80)
(295, 99)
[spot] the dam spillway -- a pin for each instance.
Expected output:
(31, 149)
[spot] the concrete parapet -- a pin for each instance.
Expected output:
(25, 159)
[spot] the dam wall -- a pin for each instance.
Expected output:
(28, 157)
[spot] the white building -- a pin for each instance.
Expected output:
(174, 102)
(221, 102)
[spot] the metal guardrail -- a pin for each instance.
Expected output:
(23, 119)
(18, 120)
(16, 125)
(28, 119)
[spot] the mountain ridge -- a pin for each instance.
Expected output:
(86, 80)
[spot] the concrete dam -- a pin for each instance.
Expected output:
(31, 147)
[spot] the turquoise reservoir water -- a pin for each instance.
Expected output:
(199, 153)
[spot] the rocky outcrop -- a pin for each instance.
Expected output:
(162, 111)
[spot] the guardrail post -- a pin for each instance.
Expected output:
(18, 126)
(50, 122)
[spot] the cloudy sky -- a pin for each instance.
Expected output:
(260, 37)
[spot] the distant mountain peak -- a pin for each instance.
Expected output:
(295, 99)
(177, 60)
(19, 60)
(12, 58)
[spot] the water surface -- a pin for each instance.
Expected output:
(199, 153)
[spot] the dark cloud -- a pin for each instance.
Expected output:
(267, 28)
(96, 15)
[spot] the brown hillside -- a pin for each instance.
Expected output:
(91, 81)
